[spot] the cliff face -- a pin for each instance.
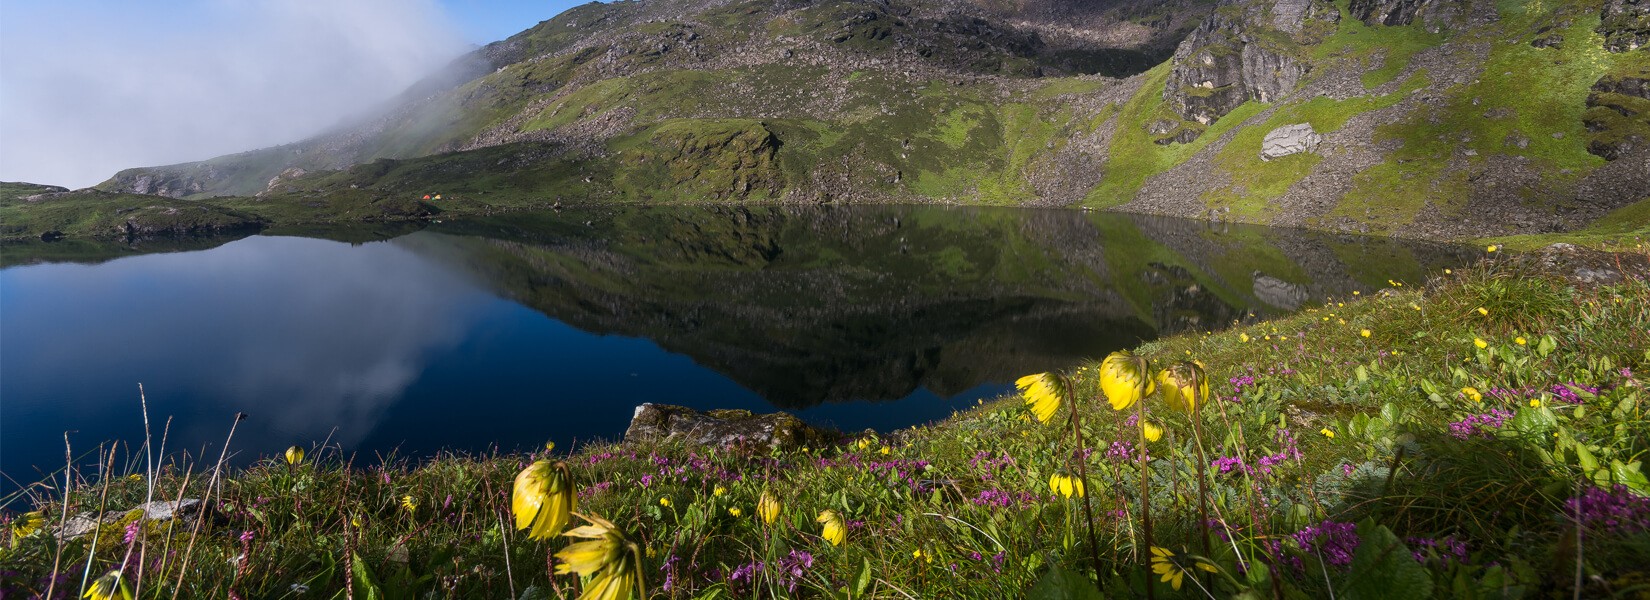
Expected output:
(1432, 118)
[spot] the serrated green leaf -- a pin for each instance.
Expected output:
(1383, 568)
(1060, 584)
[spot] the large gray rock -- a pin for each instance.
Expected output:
(1224, 62)
(186, 511)
(723, 428)
(1625, 25)
(1387, 12)
(1289, 139)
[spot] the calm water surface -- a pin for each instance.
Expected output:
(519, 330)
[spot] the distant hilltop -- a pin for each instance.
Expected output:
(1424, 118)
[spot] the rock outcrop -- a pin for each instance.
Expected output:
(1618, 116)
(1226, 62)
(186, 511)
(1289, 139)
(723, 428)
(1625, 25)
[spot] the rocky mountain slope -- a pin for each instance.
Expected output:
(1426, 118)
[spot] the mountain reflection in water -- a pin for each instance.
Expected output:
(516, 329)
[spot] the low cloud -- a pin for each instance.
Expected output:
(88, 88)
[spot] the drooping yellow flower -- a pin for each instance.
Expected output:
(1153, 432)
(735, 511)
(1492, 248)
(108, 587)
(543, 498)
(1066, 485)
(718, 491)
(1163, 564)
(611, 562)
(665, 502)
(550, 446)
(294, 455)
(1125, 379)
(1520, 340)
(1480, 343)
(884, 451)
(1327, 432)
(1243, 337)
(767, 507)
(26, 524)
(1043, 393)
(1185, 386)
(1365, 332)
(832, 528)
(409, 504)
(1472, 394)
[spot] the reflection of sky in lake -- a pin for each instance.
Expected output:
(308, 335)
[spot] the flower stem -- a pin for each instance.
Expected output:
(1145, 492)
(1088, 507)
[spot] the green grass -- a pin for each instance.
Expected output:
(1256, 182)
(1134, 157)
(1333, 427)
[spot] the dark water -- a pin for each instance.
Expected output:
(554, 327)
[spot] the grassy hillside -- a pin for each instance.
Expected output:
(1475, 433)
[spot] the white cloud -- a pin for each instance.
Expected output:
(88, 88)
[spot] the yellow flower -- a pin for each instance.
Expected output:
(1163, 564)
(665, 502)
(1125, 379)
(1472, 394)
(1043, 393)
(1447, 271)
(26, 524)
(409, 504)
(735, 511)
(884, 450)
(1243, 337)
(1066, 485)
(864, 443)
(1492, 248)
(916, 553)
(1185, 386)
(108, 587)
(294, 455)
(543, 498)
(611, 562)
(832, 527)
(767, 507)
(550, 445)
(1480, 343)
(1153, 432)
(1327, 432)
(718, 491)
(1355, 293)
(1365, 332)
(1415, 306)
(1520, 341)
(1483, 311)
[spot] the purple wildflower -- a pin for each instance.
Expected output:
(1617, 510)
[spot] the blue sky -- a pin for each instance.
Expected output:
(482, 21)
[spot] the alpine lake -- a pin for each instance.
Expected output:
(506, 332)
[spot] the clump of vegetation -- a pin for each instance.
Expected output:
(1479, 433)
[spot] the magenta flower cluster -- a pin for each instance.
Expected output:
(1480, 424)
(1335, 542)
(1616, 510)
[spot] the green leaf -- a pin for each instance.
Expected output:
(1383, 568)
(863, 582)
(365, 588)
(1060, 584)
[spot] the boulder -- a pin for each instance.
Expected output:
(1289, 139)
(186, 511)
(1625, 25)
(723, 428)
